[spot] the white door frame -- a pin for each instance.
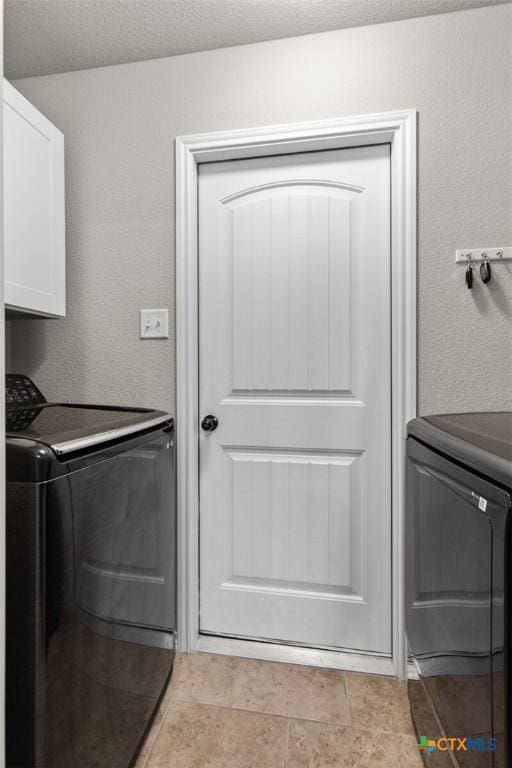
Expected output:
(2, 421)
(397, 129)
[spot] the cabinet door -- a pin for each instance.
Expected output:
(34, 239)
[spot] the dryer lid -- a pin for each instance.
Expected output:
(68, 428)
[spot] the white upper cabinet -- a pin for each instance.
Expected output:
(34, 229)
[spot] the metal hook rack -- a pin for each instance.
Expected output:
(477, 255)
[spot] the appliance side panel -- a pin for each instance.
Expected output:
(24, 623)
(455, 595)
(501, 639)
(91, 581)
(124, 536)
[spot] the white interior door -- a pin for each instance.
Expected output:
(295, 482)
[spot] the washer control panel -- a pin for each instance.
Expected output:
(21, 392)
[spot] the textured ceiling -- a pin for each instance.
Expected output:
(47, 36)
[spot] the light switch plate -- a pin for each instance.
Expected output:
(154, 323)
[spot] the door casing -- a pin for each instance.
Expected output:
(399, 130)
(2, 423)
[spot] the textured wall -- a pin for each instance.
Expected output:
(120, 123)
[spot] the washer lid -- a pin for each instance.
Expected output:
(69, 428)
(483, 441)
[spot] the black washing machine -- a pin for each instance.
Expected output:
(458, 586)
(91, 578)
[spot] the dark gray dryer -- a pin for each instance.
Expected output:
(458, 590)
(91, 578)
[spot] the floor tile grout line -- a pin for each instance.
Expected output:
(156, 728)
(347, 697)
(230, 695)
(331, 723)
(234, 709)
(154, 740)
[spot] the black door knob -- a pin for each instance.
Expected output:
(209, 423)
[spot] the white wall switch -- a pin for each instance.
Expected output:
(154, 323)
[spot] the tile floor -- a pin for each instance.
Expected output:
(228, 712)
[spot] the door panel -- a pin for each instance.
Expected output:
(294, 276)
(295, 521)
(296, 336)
